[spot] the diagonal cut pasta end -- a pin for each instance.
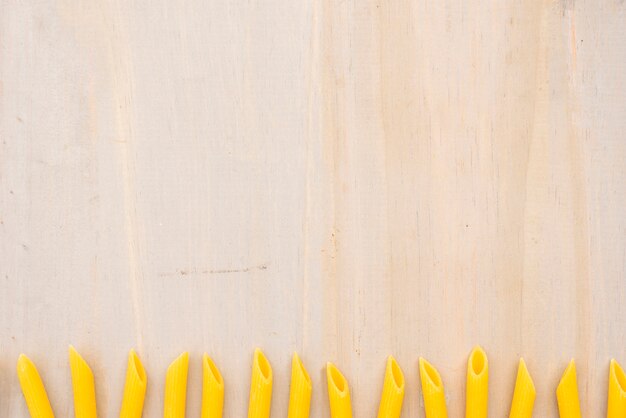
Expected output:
(524, 394)
(568, 379)
(393, 374)
(616, 406)
(33, 388)
(298, 369)
(211, 372)
(134, 388)
(567, 393)
(478, 364)
(260, 386)
(431, 380)
(338, 393)
(262, 365)
(432, 391)
(336, 381)
(300, 390)
(524, 376)
(393, 391)
(175, 399)
(24, 363)
(212, 389)
(79, 367)
(136, 368)
(618, 377)
(477, 384)
(182, 361)
(83, 386)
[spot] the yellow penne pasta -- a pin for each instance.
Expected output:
(83, 386)
(134, 388)
(393, 391)
(260, 387)
(567, 393)
(33, 389)
(176, 387)
(617, 391)
(432, 391)
(477, 387)
(300, 390)
(338, 393)
(212, 389)
(524, 394)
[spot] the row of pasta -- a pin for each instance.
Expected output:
(392, 396)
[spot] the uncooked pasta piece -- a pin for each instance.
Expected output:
(432, 391)
(567, 393)
(300, 390)
(617, 392)
(260, 387)
(176, 387)
(212, 389)
(33, 389)
(338, 393)
(134, 388)
(393, 391)
(524, 394)
(477, 386)
(83, 386)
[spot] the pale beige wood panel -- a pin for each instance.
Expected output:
(344, 179)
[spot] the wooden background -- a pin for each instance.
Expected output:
(348, 179)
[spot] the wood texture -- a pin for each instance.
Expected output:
(348, 179)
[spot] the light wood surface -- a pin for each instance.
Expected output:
(348, 179)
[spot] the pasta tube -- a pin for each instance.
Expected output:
(176, 387)
(300, 390)
(260, 387)
(338, 393)
(567, 393)
(524, 394)
(33, 389)
(83, 386)
(617, 391)
(134, 388)
(432, 391)
(477, 384)
(212, 389)
(393, 391)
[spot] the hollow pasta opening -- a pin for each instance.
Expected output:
(137, 367)
(217, 376)
(337, 379)
(432, 374)
(301, 369)
(396, 373)
(619, 376)
(478, 361)
(263, 364)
